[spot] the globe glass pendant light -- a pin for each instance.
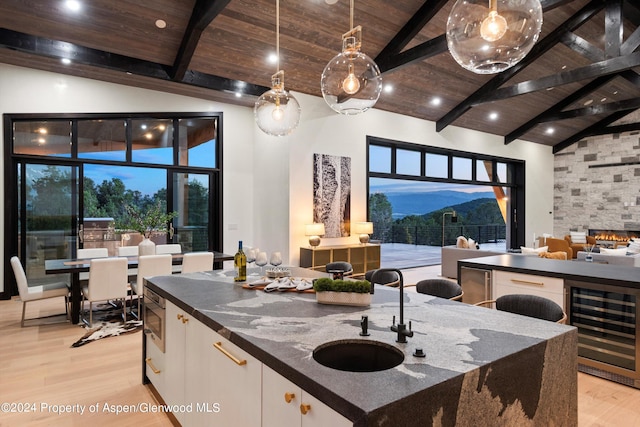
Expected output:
(277, 112)
(351, 82)
(489, 36)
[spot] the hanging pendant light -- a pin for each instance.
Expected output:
(489, 36)
(277, 112)
(351, 82)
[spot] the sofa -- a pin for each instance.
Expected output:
(452, 254)
(614, 259)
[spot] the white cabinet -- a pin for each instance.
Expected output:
(505, 282)
(216, 382)
(285, 404)
(155, 366)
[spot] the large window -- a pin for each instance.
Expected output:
(68, 179)
(415, 189)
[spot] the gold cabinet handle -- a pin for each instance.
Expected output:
(237, 361)
(304, 408)
(527, 282)
(288, 397)
(184, 319)
(179, 316)
(153, 368)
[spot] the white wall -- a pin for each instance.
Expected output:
(268, 180)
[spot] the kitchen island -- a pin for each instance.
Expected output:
(481, 366)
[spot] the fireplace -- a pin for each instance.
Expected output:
(612, 236)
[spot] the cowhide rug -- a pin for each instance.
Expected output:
(107, 322)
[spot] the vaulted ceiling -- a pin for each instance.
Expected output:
(582, 78)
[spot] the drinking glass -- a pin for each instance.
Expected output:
(251, 255)
(261, 261)
(276, 259)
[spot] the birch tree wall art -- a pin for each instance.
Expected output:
(332, 194)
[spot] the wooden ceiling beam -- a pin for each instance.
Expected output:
(597, 69)
(629, 127)
(423, 51)
(96, 58)
(579, 18)
(590, 131)
(204, 12)
(613, 28)
(558, 107)
(592, 110)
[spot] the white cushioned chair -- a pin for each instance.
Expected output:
(197, 261)
(107, 281)
(148, 266)
(90, 253)
(128, 251)
(170, 248)
(34, 293)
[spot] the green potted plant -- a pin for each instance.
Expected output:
(342, 292)
(152, 221)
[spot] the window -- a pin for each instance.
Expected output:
(197, 143)
(42, 138)
(437, 165)
(462, 168)
(102, 140)
(379, 159)
(408, 162)
(152, 141)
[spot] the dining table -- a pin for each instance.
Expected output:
(81, 265)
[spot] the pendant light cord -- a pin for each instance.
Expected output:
(351, 14)
(278, 36)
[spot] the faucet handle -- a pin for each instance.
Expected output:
(364, 323)
(393, 322)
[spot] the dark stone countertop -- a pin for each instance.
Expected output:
(605, 274)
(282, 329)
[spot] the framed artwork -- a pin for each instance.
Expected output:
(332, 194)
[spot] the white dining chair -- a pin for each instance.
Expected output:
(128, 251)
(197, 261)
(107, 281)
(33, 293)
(170, 248)
(148, 266)
(90, 253)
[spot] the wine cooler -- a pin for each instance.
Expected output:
(607, 324)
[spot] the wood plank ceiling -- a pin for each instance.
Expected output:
(582, 77)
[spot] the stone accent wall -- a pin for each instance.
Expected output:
(597, 184)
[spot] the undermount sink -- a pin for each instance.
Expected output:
(358, 355)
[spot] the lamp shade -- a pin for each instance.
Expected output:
(363, 227)
(489, 36)
(315, 229)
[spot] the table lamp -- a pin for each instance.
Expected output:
(314, 231)
(363, 229)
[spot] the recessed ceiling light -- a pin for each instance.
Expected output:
(493, 116)
(388, 88)
(161, 23)
(550, 131)
(73, 5)
(331, 1)
(65, 61)
(588, 102)
(272, 58)
(436, 101)
(603, 99)
(143, 127)
(615, 92)
(564, 67)
(148, 135)
(238, 94)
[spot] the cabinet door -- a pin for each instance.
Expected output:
(155, 366)
(198, 376)
(235, 379)
(280, 400)
(285, 404)
(175, 344)
(505, 283)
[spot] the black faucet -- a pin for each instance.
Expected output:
(400, 328)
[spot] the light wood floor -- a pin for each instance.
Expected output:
(38, 366)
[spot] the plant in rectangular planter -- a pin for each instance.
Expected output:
(342, 292)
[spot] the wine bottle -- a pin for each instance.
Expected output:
(240, 264)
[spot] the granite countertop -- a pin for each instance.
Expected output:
(616, 275)
(281, 329)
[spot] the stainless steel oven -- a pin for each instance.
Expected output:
(154, 317)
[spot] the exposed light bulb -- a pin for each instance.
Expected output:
(493, 27)
(277, 114)
(351, 84)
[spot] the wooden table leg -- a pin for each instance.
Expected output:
(76, 296)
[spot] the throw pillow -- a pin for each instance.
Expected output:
(619, 251)
(462, 242)
(578, 237)
(529, 251)
(634, 246)
(472, 243)
(554, 255)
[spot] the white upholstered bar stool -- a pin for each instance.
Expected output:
(148, 266)
(197, 261)
(107, 281)
(33, 293)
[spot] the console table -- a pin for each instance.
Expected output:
(362, 257)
